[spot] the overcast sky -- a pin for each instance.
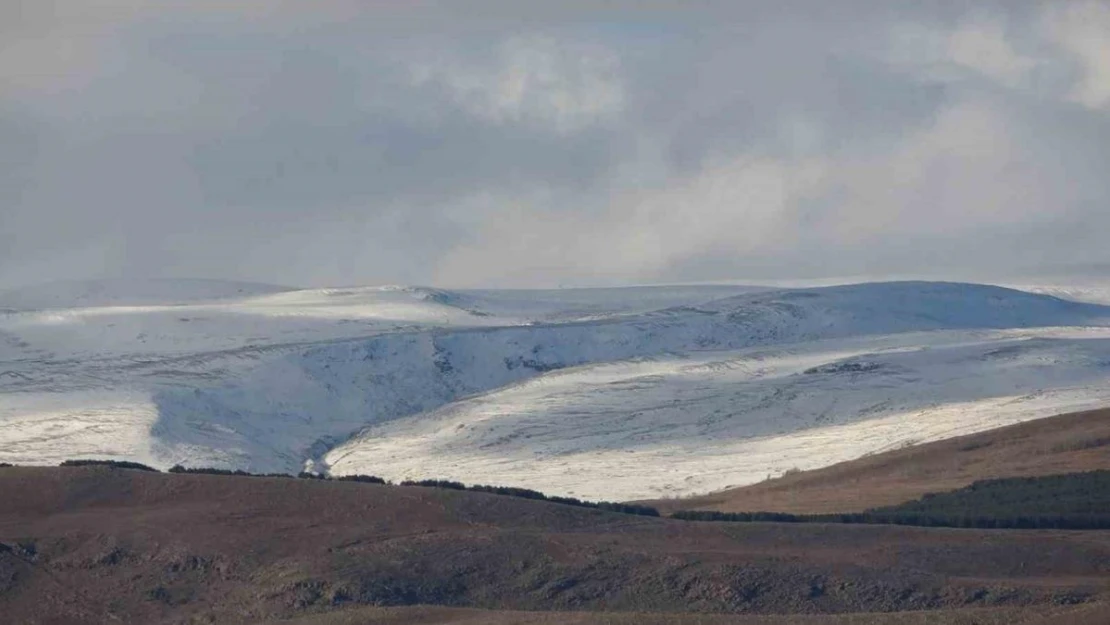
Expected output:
(509, 143)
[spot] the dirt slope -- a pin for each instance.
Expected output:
(93, 545)
(1064, 444)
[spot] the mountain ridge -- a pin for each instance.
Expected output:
(268, 382)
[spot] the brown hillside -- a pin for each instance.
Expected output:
(1071, 615)
(1064, 444)
(95, 545)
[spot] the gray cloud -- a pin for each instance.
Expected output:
(504, 145)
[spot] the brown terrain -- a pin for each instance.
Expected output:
(1064, 444)
(1094, 614)
(100, 545)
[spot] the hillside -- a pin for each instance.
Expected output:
(110, 544)
(699, 422)
(1083, 496)
(599, 393)
(1056, 445)
(1096, 614)
(117, 293)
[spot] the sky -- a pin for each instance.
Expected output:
(490, 143)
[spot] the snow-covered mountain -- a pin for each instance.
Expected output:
(102, 293)
(613, 393)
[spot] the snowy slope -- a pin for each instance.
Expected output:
(1081, 291)
(554, 389)
(206, 325)
(105, 378)
(679, 425)
(98, 293)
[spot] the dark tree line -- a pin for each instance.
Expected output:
(1077, 501)
(304, 475)
(1070, 494)
(1063, 522)
(526, 493)
(118, 464)
(365, 479)
(177, 468)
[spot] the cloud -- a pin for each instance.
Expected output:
(522, 145)
(982, 46)
(744, 204)
(862, 207)
(934, 180)
(1083, 30)
(532, 78)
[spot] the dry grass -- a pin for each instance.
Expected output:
(1064, 444)
(96, 545)
(454, 616)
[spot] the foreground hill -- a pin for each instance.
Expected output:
(92, 544)
(1063, 444)
(1094, 614)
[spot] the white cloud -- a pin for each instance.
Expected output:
(963, 172)
(978, 46)
(1083, 30)
(536, 79)
(745, 205)
(981, 45)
